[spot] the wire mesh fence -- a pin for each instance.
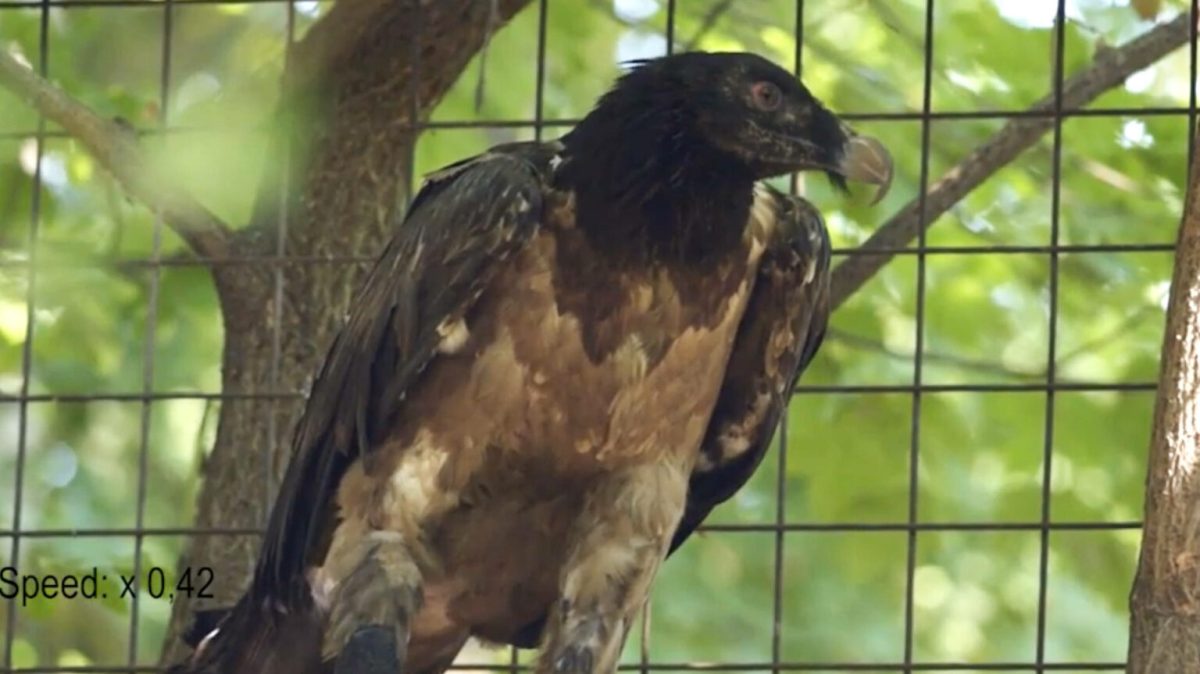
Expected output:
(939, 577)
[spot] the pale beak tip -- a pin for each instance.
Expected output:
(867, 160)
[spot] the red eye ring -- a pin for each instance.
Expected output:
(766, 96)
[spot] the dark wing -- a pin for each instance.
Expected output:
(780, 333)
(465, 221)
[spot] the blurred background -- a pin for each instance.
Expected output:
(831, 585)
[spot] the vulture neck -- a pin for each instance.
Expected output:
(649, 189)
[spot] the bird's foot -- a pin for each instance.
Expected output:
(370, 611)
(370, 650)
(580, 644)
(575, 659)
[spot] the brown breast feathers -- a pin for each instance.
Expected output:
(569, 367)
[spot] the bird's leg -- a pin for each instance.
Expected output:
(375, 590)
(616, 548)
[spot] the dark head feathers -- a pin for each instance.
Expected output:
(668, 157)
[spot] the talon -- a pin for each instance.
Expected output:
(574, 660)
(370, 650)
(368, 620)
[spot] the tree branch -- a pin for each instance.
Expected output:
(349, 162)
(1111, 67)
(867, 344)
(1164, 637)
(117, 151)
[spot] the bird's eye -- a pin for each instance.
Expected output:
(766, 96)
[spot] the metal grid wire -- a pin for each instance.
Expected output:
(913, 526)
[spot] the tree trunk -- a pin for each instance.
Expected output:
(1165, 632)
(348, 110)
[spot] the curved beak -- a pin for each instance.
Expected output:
(866, 160)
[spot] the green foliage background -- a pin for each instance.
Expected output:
(843, 593)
